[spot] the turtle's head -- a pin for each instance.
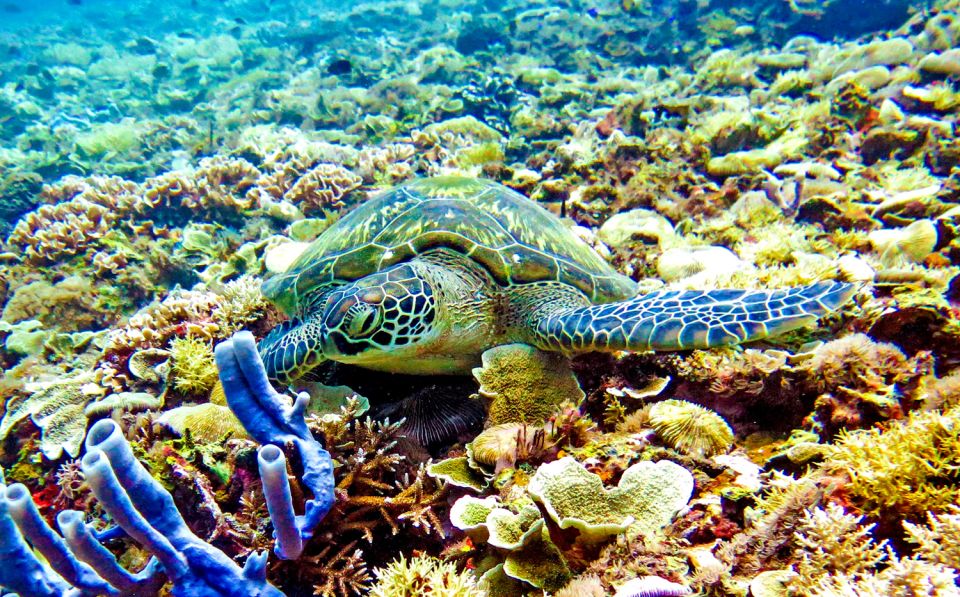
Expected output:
(369, 321)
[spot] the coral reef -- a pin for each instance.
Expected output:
(158, 165)
(148, 515)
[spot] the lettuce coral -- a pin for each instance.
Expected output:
(57, 408)
(646, 499)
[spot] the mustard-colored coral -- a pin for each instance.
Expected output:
(904, 471)
(208, 423)
(193, 368)
(525, 385)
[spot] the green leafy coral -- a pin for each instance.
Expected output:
(646, 499)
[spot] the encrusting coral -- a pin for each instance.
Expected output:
(524, 384)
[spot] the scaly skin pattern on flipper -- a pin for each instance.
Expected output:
(687, 319)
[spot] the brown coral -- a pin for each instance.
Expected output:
(88, 209)
(323, 187)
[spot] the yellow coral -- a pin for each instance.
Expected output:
(193, 368)
(208, 423)
(423, 575)
(691, 428)
(525, 385)
(904, 471)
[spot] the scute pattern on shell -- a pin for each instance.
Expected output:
(516, 240)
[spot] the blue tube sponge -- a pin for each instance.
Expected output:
(270, 419)
(34, 529)
(20, 571)
(145, 510)
(276, 490)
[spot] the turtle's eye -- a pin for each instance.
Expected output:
(364, 322)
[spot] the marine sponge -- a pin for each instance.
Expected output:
(691, 428)
(193, 368)
(422, 575)
(646, 499)
(526, 385)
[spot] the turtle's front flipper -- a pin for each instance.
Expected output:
(685, 319)
(291, 349)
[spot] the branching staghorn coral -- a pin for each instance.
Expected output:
(938, 541)
(838, 556)
(420, 575)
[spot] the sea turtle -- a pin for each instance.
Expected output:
(425, 277)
